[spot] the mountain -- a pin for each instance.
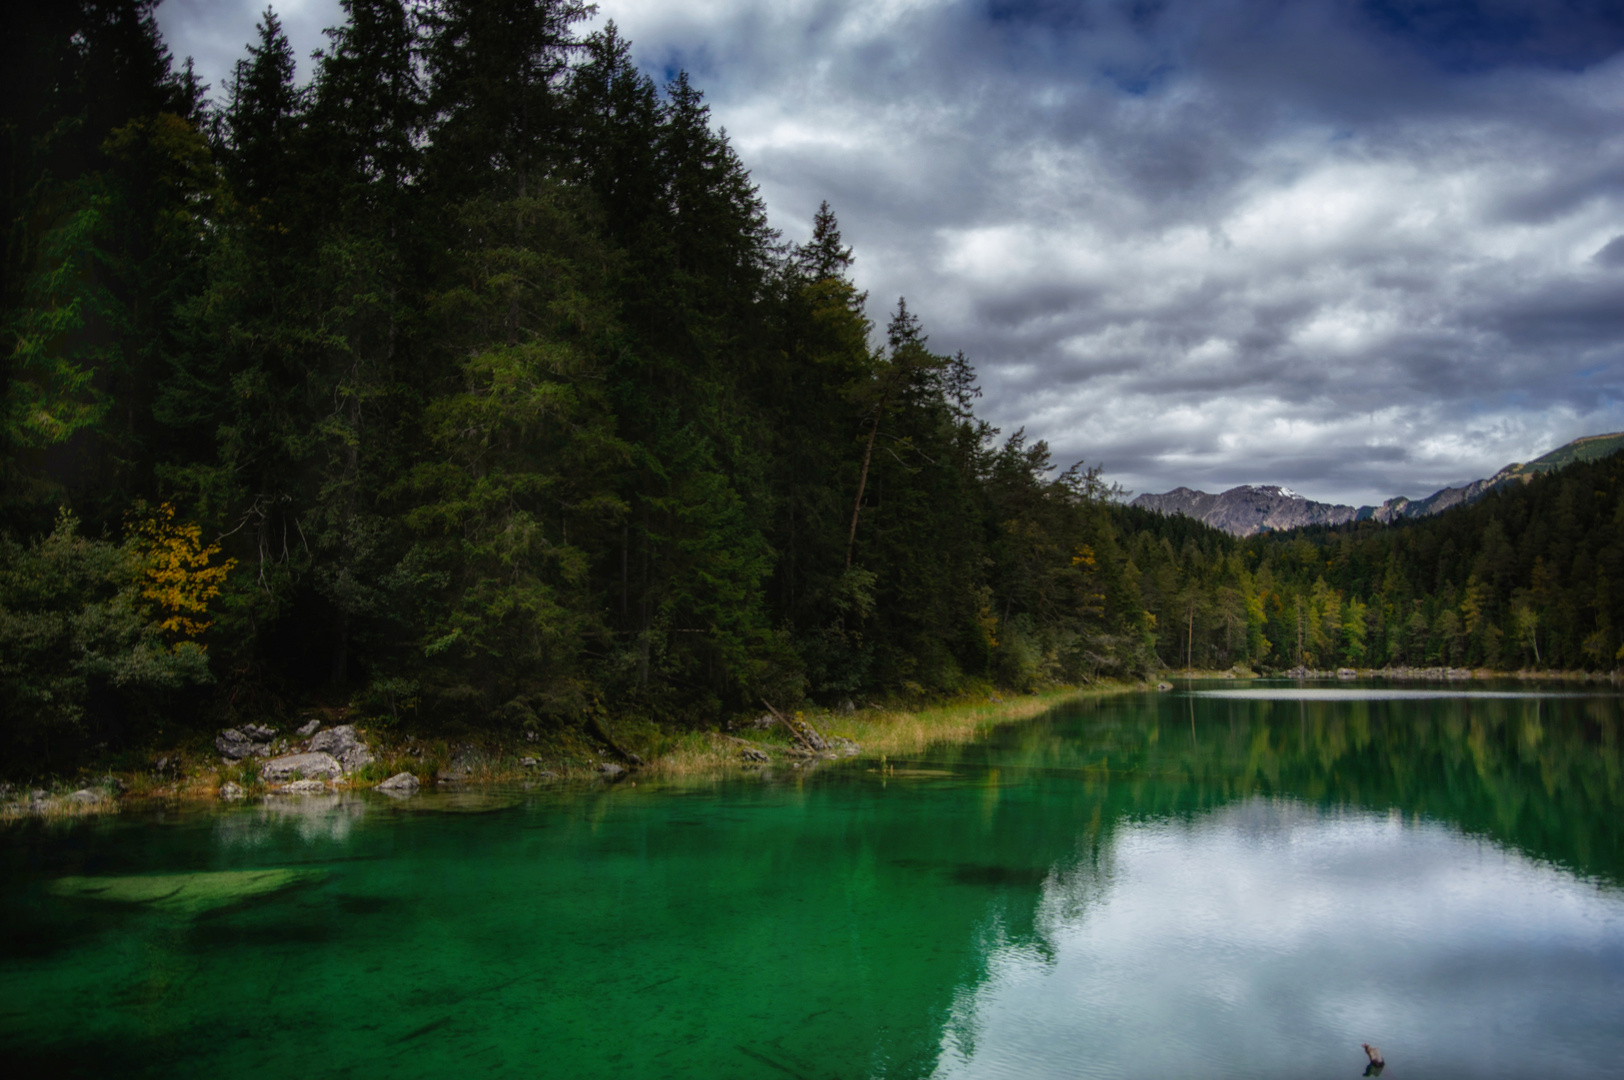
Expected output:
(1249, 509)
(1246, 510)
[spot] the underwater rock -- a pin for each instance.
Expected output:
(305, 765)
(344, 744)
(400, 784)
(229, 790)
(186, 894)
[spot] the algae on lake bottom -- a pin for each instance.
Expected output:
(183, 894)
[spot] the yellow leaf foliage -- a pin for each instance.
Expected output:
(174, 570)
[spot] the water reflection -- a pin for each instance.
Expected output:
(331, 817)
(1159, 885)
(1541, 772)
(1271, 938)
(1284, 883)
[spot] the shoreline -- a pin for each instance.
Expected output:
(483, 759)
(480, 759)
(1450, 674)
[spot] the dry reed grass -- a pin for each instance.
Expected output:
(911, 731)
(876, 730)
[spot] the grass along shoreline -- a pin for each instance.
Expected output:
(875, 730)
(196, 774)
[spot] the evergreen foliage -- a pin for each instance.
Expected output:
(477, 357)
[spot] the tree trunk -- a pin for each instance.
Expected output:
(862, 482)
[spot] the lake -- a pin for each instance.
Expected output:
(1228, 880)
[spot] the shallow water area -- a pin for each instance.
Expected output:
(1201, 882)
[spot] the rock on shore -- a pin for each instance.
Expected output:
(344, 744)
(309, 766)
(400, 784)
(248, 740)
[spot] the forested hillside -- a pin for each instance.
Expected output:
(469, 382)
(1525, 578)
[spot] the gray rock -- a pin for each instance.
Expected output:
(462, 764)
(235, 744)
(1164, 686)
(306, 765)
(83, 796)
(344, 744)
(229, 790)
(1346, 673)
(610, 770)
(305, 787)
(750, 753)
(257, 732)
(309, 729)
(527, 763)
(400, 784)
(846, 707)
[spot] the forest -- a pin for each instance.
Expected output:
(466, 381)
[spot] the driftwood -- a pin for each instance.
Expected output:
(807, 735)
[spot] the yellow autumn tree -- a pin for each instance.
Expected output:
(174, 570)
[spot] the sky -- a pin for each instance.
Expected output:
(1360, 248)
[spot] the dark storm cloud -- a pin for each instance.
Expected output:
(1611, 253)
(1361, 247)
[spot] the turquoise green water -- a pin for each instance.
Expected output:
(1195, 883)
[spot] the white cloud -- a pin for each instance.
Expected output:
(1232, 243)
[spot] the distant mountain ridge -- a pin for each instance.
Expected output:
(1249, 509)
